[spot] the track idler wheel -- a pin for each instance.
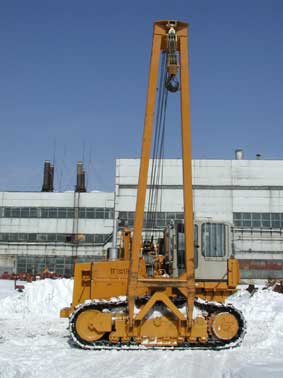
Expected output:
(88, 325)
(224, 326)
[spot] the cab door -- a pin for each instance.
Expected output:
(212, 241)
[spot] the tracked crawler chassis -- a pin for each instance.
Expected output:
(218, 337)
(165, 281)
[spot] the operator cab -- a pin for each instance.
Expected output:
(212, 249)
(212, 242)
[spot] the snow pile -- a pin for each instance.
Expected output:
(47, 297)
(263, 312)
(34, 342)
(43, 297)
(7, 287)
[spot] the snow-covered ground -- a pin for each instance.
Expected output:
(34, 341)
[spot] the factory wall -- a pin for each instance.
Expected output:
(57, 228)
(248, 194)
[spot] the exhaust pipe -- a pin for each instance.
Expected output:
(51, 176)
(48, 177)
(113, 253)
(239, 154)
(80, 186)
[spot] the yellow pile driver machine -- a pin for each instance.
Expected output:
(167, 293)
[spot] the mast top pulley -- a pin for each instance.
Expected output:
(171, 81)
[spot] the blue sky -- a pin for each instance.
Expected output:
(73, 79)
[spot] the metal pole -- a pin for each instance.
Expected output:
(187, 177)
(144, 163)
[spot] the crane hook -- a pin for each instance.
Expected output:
(172, 83)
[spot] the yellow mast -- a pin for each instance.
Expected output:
(160, 43)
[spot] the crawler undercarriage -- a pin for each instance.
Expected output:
(215, 326)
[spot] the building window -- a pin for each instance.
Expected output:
(60, 265)
(151, 220)
(99, 213)
(22, 237)
(62, 212)
(247, 219)
(17, 237)
(41, 237)
(61, 238)
(258, 220)
(53, 212)
(43, 213)
(25, 212)
(70, 212)
(90, 213)
(98, 239)
(15, 212)
(57, 212)
(31, 237)
(7, 212)
(89, 238)
(109, 213)
(276, 220)
(51, 237)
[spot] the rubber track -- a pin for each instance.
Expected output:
(209, 307)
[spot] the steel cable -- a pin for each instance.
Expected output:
(156, 175)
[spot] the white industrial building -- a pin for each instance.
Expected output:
(246, 193)
(51, 229)
(43, 229)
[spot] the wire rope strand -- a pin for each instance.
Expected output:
(149, 215)
(156, 177)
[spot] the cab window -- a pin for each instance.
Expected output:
(213, 240)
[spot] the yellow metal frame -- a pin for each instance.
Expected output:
(159, 43)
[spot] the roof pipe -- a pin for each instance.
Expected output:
(46, 177)
(80, 185)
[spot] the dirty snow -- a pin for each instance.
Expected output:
(34, 341)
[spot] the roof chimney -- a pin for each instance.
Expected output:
(48, 177)
(239, 154)
(80, 186)
(258, 156)
(51, 183)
